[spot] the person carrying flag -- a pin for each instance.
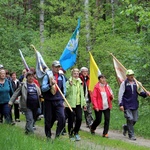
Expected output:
(128, 102)
(53, 100)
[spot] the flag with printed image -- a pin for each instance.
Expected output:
(24, 61)
(69, 55)
(94, 73)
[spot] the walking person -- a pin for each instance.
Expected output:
(84, 76)
(15, 84)
(75, 97)
(6, 91)
(102, 104)
(53, 100)
(29, 101)
(128, 103)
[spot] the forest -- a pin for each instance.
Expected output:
(120, 27)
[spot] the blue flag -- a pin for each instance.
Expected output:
(68, 57)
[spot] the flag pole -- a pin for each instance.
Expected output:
(64, 97)
(117, 61)
(126, 69)
(57, 87)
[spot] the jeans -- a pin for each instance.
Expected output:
(5, 111)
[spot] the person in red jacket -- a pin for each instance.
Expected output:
(102, 103)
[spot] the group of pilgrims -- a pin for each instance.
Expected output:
(48, 100)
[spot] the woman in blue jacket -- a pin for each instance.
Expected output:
(6, 92)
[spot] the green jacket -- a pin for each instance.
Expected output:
(71, 93)
(22, 91)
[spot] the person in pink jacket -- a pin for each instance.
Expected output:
(102, 103)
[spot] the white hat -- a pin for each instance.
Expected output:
(84, 68)
(1, 66)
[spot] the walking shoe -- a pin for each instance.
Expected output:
(105, 135)
(34, 128)
(92, 131)
(77, 137)
(17, 120)
(13, 123)
(72, 139)
(125, 129)
(132, 138)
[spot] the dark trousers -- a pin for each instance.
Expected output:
(5, 111)
(98, 119)
(16, 111)
(54, 110)
(74, 117)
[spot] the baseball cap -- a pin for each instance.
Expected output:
(129, 72)
(56, 63)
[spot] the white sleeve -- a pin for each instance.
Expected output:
(121, 92)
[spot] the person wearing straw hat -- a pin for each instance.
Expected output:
(128, 102)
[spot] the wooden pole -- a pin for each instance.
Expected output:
(64, 97)
(137, 82)
(57, 87)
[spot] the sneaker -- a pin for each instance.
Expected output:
(125, 129)
(72, 139)
(92, 131)
(34, 128)
(17, 120)
(13, 123)
(105, 135)
(77, 137)
(132, 138)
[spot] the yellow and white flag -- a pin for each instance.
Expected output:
(94, 73)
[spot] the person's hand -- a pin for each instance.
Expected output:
(84, 108)
(70, 82)
(97, 109)
(9, 105)
(121, 108)
(148, 93)
(53, 81)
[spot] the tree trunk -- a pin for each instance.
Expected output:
(104, 10)
(87, 26)
(113, 12)
(41, 22)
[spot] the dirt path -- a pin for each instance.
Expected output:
(117, 135)
(112, 135)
